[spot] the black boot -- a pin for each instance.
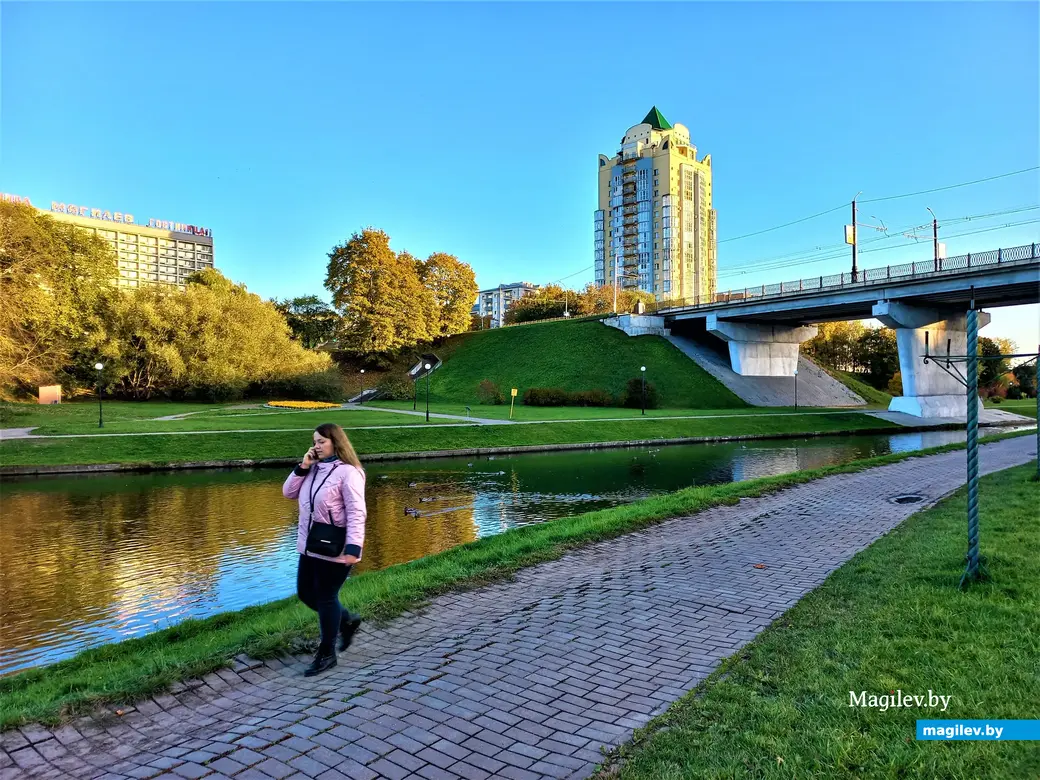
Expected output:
(348, 626)
(322, 663)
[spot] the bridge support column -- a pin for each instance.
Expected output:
(761, 350)
(928, 391)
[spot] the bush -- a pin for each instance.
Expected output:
(895, 384)
(546, 396)
(591, 398)
(489, 393)
(1014, 392)
(313, 386)
(632, 397)
(396, 387)
(996, 399)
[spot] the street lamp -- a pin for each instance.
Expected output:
(796, 387)
(642, 373)
(362, 399)
(427, 392)
(100, 421)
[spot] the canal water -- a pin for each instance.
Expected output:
(91, 559)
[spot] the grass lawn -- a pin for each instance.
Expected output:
(523, 413)
(1024, 406)
(276, 444)
(891, 618)
(875, 398)
(135, 668)
(582, 355)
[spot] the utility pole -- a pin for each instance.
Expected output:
(855, 237)
(935, 238)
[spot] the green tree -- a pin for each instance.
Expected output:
(382, 304)
(600, 300)
(877, 353)
(1025, 378)
(836, 345)
(992, 370)
(454, 288)
(55, 282)
(311, 320)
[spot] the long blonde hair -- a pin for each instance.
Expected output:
(340, 443)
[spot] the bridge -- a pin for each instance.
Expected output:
(924, 302)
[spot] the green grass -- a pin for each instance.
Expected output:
(28, 415)
(274, 444)
(871, 395)
(524, 413)
(136, 668)
(891, 618)
(1023, 406)
(582, 355)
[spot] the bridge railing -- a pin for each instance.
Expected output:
(865, 277)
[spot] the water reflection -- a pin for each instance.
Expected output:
(91, 559)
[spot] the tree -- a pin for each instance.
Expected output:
(55, 282)
(382, 304)
(600, 300)
(836, 345)
(454, 288)
(311, 320)
(1025, 378)
(877, 353)
(545, 303)
(991, 370)
(214, 341)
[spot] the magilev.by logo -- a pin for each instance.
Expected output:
(898, 699)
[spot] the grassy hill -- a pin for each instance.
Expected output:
(582, 355)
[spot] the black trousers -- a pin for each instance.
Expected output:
(317, 584)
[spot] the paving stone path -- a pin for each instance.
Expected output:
(524, 679)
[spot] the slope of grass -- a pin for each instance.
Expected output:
(871, 395)
(890, 619)
(582, 355)
(136, 668)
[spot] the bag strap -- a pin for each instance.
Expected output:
(314, 493)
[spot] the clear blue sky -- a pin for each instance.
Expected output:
(474, 128)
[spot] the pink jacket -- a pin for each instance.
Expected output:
(340, 500)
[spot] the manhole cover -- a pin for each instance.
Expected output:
(908, 499)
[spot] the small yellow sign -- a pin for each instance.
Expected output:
(850, 234)
(514, 392)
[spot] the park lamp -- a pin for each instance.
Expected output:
(427, 365)
(361, 400)
(100, 421)
(642, 373)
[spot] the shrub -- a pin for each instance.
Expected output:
(591, 398)
(996, 399)
(895, 384)
(396, 387)
(489, 393)
(313, 386)
(1015, 392)
(632, 397)
(546, 396)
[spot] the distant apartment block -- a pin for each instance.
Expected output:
(494, 303)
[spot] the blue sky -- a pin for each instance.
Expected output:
(474, 128)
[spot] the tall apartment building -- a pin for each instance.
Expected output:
(655, 229)
(152, 252)
(495, 302)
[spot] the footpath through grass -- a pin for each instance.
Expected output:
(183, 448)
(136, 668)
(890, 619)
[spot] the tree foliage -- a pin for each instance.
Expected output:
(552, 300)
(855, 348)
(55, 284)
(311, 320)
(454, 288)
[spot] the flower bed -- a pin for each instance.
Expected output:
(302, 405)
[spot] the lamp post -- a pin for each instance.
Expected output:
(361, 401)
(796, 387)
(427, 392)
(855, 238)
(415, 393)
(642, 373)
(100, 421)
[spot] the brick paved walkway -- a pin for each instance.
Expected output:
(524, 679)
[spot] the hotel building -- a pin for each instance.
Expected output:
(655, 229)
(148, 252)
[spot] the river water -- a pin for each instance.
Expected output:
(91, 559)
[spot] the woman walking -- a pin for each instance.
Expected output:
(330, 486)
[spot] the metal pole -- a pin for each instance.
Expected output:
(972, 571)
(855, 238)
(427, 395)
(100, 421)
(796, 389)
(361, 401)
(935, 241)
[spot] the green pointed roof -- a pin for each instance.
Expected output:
(656, 120)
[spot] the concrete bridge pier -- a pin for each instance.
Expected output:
(761, 350)
(928, 391)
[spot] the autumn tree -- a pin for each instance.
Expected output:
(311, 320)
(383, 305)
(600, 299)
(454, 288)
(55, 281)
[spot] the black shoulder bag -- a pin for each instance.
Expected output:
(325, 539)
